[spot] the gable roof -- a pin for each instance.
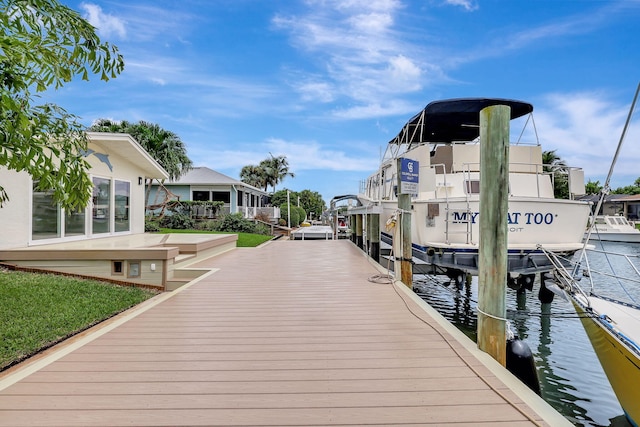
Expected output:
(202, 175)
(125, 146)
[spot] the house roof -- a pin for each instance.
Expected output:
(127, 147)
(202, 175)
(611, 198)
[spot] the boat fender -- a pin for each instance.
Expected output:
(520, 362)
(431, 251)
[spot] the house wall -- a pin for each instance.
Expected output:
(15, 216)
(123, 170)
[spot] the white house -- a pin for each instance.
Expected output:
(119, 166)
(107, 239)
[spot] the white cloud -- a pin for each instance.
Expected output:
(363, 52)
(468, 5)
(313, 156)
(108, 25)
(584, 129)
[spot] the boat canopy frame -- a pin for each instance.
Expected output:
(452, 120)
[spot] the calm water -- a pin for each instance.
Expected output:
(570, 375)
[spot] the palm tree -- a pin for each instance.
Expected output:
(253, 175)
(555, 165)
(276, 170)
(163, 145)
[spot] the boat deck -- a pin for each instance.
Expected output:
(290, 333)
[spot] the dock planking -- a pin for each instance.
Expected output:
(290, 333)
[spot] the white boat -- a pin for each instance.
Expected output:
(614, 228)
(444, 139)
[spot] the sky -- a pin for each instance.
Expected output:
(327, 83)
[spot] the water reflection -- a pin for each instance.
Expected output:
(571, 378)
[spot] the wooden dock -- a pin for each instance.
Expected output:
(292, 333)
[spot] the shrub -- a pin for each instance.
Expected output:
(236, 223)
(294, 218)
(178, 222)
(301, 214)
(263, 216)
(151, 226)
(209, 225)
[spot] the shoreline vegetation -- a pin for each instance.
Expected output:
(40, 310)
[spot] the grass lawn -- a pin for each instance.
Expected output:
(245, 240)
(39, 310)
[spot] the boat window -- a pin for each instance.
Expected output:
(472, 186)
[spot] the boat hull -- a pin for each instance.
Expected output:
(442, 243)
(621, 365)
(616, 237)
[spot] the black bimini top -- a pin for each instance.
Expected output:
(452, 120)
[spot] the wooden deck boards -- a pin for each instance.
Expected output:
(292, 333)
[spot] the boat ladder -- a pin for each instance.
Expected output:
(459, 216)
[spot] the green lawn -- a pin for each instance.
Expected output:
(39, 310)
(245, 240)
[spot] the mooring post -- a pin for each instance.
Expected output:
(405, 255)
(492, 258)
(375, 237)
(359, 233)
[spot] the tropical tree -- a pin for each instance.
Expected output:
(44, 44)
(593, 187)
(629, 189)
(253, 175)
(270, 172)
(163, 145)
(310, 201)
(276, 170)
(553, 164)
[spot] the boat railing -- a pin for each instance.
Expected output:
(600, 269)
(538, 169)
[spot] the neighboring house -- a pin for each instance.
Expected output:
(107, 239)
(617, 204)
(204, 184)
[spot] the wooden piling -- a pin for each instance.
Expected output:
(404, 231)
(374, 237)
(359, 233)
(494, 191)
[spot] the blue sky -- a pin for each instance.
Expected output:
(328, 83)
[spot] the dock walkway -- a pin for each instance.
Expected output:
(290, 333)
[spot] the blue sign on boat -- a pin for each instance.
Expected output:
(409, 176)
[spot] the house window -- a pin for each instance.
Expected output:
(122, 208)
(101, 205)
(45, 215)
(74, 223)
(117, 268)
(46, 218)
(200, 196)
(240, 198)
(221, 196)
